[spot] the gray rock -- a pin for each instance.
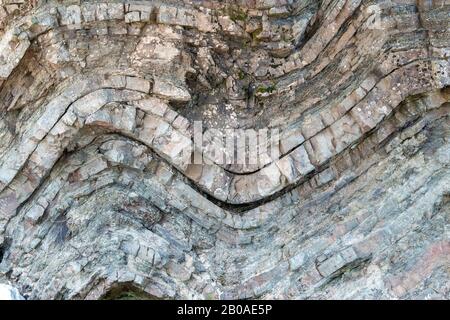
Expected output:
(98, 195)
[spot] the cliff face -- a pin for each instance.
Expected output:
(100, 198)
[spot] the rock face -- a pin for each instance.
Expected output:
(99, 101)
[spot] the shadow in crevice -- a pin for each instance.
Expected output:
(127, 291)
(4, 247)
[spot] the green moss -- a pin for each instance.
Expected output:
(254, 35)
(266, 89)
(210, 296)
(236, 13)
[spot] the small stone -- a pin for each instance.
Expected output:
(93, 167)
(115, 11)
(278, 11)
(297, 261)
(301, 160)
(138, 84)
(326, 176)
(163, 173)
(169, 90)
(290, 142)
(331, 265)
(179, 271)
(153, 105)
(287, 168)
(35, 213)
(230, 27)
(132, 17)
(71, 16)
(180, 123)
(269, 180)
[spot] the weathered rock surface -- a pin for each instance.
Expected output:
(8, 292)
(97, 107)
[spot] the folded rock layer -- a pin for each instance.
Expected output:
(99, 102)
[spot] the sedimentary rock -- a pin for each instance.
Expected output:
(100, 193)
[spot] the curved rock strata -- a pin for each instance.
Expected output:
(100, 198)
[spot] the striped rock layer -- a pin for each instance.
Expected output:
(98, 100)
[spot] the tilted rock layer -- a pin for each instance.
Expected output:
(98, 98)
